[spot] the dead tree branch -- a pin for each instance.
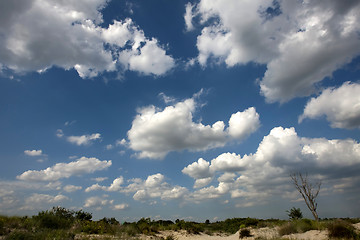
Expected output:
(308, 191)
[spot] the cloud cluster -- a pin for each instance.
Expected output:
(38, 34)
(301, 42)
(153, 187)
(341, 106)
(100, 201)
(83, 165)
(265, 173)
(155, 132)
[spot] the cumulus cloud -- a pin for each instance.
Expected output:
(154, 186)
(114, 187)
(265, 173)
(97, 201)
(73, 38)
(84, 139)
(83, 165)
(33, 153)
(155, 132)
(301, 42)
(341, 106)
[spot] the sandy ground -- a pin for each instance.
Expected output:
(267, 233)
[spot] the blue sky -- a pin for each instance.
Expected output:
(174, 109)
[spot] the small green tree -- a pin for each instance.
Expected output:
(295, 213)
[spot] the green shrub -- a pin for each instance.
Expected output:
(342, 229)
(295, 213)
(244, 233)
(57, 218)
(83, 216)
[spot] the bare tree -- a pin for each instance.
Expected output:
(308, 191)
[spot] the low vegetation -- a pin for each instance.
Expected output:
(60, 223)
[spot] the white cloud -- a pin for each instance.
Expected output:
(114, 187)
(33, 153)
(71, 38)
(72, 188)
(100, 179)
(35, 201)
(95, 187)
(242, 124)
(155, 132)
(65, 170)
(188, 17)
(97, 201)
(154, 186)
(121, 206)
(300, 42)
(198, 170)
(148, 59)
(341, 106)
(265, 173)
(84, 139)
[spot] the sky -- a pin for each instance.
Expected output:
(179, 109)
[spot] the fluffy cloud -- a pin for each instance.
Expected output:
(154, 186)
(341, 106)
(84, 139)
(65, 170)
(33, 153)
(97, 202)
(155, 133)
(115, 186)
(301, 42)
(39, 34)
(265, 173)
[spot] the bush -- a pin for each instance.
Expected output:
(57, 218)
(342, 229)
(83, 216)
(294, 213)
(297, 226)
(244, 233)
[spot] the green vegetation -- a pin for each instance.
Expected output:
(342, 230)
(295, 213)
(60, 223)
